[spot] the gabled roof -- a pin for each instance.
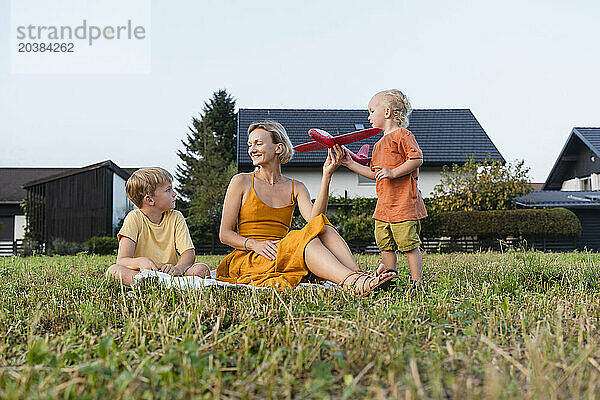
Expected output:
(109, 164)
(560, 198)
(12, 180)
(590, 137)
(445, 136)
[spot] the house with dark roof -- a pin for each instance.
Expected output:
(12, 216)
(578, 164)
(574, 183)
(446, 136)
(68, 203)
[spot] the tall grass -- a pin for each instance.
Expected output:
(486, 325)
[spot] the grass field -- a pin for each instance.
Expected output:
(487, 325)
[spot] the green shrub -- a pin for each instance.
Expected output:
(30, 247)
(66, 248)
(358, 228)
(102, 245)
(556, 223)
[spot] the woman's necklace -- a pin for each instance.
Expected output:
(272, 184)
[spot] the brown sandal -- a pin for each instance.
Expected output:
(368, 277)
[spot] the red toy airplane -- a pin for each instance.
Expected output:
(323, 140)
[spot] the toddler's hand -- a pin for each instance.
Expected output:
(383, 173)
(346, 159)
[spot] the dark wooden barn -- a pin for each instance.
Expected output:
(78, 204)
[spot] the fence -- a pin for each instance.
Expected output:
(11, 248)
(474, 244)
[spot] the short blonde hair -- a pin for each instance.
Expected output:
(278, 135)
(398, 103)
(144, 182)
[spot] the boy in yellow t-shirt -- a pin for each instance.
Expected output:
(155, 236)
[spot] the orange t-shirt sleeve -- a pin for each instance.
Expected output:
(409, 146)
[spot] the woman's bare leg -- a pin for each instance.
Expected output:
(321, 262)
(338, 247)
(122, 274)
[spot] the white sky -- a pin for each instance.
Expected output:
(527, 70)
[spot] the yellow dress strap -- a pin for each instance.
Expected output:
(292, 191)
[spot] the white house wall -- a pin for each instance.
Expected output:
(345, 182)
(576, 184)
(20, 223)
(571, 185)
(595, 181)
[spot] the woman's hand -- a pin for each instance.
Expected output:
(334, 160)
(265, 248)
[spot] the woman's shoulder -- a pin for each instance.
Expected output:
(241, 180)
(242, 177)
(298, 185)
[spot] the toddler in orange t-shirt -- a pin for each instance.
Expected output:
(395, 166)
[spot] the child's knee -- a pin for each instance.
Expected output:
(111, 271)
(199, 269)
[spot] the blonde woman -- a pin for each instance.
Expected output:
(257, 215)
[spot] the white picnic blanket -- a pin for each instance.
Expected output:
(196, 282)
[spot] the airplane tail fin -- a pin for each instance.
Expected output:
(364, 151)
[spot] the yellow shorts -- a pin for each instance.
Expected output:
(402, 236)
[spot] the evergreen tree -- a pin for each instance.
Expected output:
(208, 163)
(215, 131)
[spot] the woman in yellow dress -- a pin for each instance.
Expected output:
(257, 214)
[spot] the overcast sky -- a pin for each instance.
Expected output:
(527, 70)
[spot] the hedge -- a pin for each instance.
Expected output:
(102, 245)
(556, 223)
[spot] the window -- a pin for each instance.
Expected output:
(121, 204)
(365, 181)
(586, 183)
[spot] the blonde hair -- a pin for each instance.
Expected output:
(144, 182)
(278, 135)
(398, 103)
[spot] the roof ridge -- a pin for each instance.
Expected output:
(347, 109)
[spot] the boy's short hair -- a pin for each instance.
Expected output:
(278, 135)
(145, 181)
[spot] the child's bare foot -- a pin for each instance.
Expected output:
(382, 268)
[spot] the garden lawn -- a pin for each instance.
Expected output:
(487, 325)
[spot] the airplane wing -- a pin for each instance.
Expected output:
(356, 136)
(310, 146)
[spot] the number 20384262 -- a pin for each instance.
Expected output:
(46, 47)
